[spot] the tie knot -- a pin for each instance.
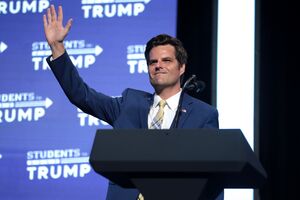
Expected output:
(162, 103)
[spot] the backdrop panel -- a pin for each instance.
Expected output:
(45, 141)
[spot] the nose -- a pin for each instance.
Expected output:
(158, 66)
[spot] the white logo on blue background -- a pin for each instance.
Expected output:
(22, 107)
(136, 59)
(112, 8)
(23, 7)
(82, 54)
(57, 163)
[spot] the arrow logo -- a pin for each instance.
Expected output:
(57, 161)
(135, 56)
(97, 50)
(3, 47)
(21, 104)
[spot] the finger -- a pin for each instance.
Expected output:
(53, 13)
(49, 15)
(45, 21)
(60, 14)
(69, 24)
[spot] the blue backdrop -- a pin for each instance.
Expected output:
(45, 141)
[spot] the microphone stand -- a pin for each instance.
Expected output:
(178, 111)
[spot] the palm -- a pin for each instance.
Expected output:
(54, 30)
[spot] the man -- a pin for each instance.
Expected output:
(166, 59)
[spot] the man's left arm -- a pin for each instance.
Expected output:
(212, 120)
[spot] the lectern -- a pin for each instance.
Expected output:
(177, 163)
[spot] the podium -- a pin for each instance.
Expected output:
(177, 163)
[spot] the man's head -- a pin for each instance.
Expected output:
(164, 39)
(166, 59)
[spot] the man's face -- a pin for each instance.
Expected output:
(164, 68)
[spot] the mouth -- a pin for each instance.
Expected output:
(158, 73)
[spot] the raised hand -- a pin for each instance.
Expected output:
(55, 31)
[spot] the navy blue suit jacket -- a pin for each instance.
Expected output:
(130, 110)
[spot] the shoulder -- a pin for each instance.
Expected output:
(199, 104)
(135, 92)
(133, 95)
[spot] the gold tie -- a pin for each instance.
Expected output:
(158, 119)
(140, 197)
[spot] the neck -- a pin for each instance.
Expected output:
(167, 92)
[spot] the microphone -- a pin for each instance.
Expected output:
(190, 80)
(192, 84)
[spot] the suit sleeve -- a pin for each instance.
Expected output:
(80, 94)
(212, 120)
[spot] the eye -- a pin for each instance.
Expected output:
(167, 60)
(152, 62)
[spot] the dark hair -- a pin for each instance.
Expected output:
(164, 39)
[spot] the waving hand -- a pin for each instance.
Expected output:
(55, 31)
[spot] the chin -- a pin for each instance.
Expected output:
(159, 86)
(157, 82)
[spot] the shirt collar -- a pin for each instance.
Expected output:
(172, 102)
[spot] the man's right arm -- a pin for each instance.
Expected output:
(85, 98)
(80, 94)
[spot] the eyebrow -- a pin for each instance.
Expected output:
(164, 58)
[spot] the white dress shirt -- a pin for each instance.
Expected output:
(169, 110)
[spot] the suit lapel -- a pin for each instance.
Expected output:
(185, 110)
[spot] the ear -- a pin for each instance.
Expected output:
(182, 69)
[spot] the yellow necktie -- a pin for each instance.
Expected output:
(158, 119)
(140, 197)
